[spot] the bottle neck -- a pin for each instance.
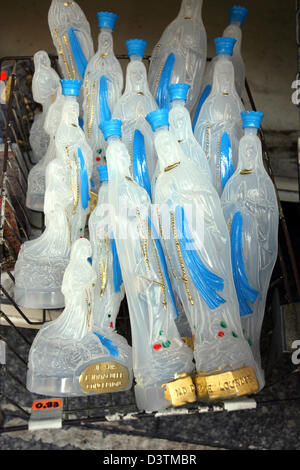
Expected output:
(113, 138)
(223, 75)
(191, 9)
(250, 154)
(105, 40)
(250, 131)
(224, 56)
(71, 98)
(136, 58)
(177, 103)
(236, 23)
(165, 145)
(118, 160)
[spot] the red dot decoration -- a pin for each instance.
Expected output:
(221, 334)
(3, 75)
(111, 324)
(98, 159)
(157, 347)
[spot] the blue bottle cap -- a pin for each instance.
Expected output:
(224, 45)
(106, 19)
(103, 173)
(71, 87)
(157, 118)
(179, 91)
(252, 119)
(237, 13)
(111, 127)
(136, 47)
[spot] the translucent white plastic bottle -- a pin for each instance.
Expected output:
(181, 127)
(109, 287)
(159, 355)
(250, 208)
(218, 127)
(71, 34)
(237, 15)
(42, 262)
(45, 84)
(135, 103)
(65, 348)
(72, 147)
(197, 247)
(102, 87)
(180, 55)
(37, 175)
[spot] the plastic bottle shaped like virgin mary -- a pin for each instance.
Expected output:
(45, 85)
(161, 360)
(102, 87)
(109, 288)
(135, 103)
(73, 149)
(67, 358)
(196, 243)
(37, 175)
(181, 127)
(250, 208)
(42, 262)
(71, 34)
(237, 15)
(180, 55)
(218, 127)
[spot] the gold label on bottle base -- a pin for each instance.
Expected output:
(230, 384)
(180, 391)
(104, 377)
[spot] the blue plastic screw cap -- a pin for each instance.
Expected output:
(136, 47)
(179, 91)
(224, 45)
(111, 127)
(103, 173)
(157, 118)
(252, 119)
(106, 19)
(71, 87)
(238, 13)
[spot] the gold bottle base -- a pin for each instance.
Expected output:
(180, 391)
(226, 385)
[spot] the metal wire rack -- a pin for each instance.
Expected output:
(18, 224)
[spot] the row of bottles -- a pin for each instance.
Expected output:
(185, 223)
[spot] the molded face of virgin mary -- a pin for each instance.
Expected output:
(178, 123)
(168, 151)
(223, 77)
(105, 42)
(136, 77)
